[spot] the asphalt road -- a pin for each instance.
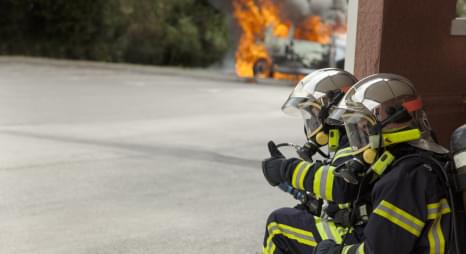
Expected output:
(104, 159)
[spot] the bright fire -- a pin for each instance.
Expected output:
(253, 17)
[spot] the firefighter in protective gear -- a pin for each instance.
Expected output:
(292, 228)
(312, 99)
(390, 136)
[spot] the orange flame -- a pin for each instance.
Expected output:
(253, 20)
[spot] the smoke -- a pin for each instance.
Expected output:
(292, 10)
(297, 10)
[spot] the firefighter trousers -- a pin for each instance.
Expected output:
(296, 231)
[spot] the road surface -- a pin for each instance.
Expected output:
(110, 159)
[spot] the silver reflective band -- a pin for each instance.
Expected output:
(400, 219)
(323, 182)
(460, 159)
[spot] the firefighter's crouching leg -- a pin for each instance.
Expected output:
(295, 231)
(290, 230)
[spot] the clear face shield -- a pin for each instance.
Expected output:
(335, 116)
(358, 127)
(295, 100)
(310, 113)
(293, 105)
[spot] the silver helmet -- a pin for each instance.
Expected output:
(311, 95)
(385, 109)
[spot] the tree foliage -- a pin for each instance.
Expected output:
(173, 32)
(461, 8)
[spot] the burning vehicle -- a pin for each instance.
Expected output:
(298, 56)
(286, 46)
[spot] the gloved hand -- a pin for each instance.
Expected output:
(350, 171)
(328, 246)
(271, 166)
(307, 151)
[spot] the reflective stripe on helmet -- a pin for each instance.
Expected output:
(413, 105)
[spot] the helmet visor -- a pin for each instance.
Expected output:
(335, 116)
(358, 127)
(292, 105)
(310, 113)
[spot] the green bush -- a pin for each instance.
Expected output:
(163, 32)
(461, 8)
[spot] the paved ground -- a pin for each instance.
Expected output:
(111, 159)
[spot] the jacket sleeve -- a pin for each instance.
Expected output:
(318, 178)
(408, 202)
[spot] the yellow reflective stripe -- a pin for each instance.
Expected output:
(316, 182)
(323, 182)
(300, 174)
(272, 248)
(329, 184)
(435, 210)
(267, 251)
(269, 244)
(346, 249)
(295, 174)
(320, 229)
(303, 176)
(342, 153)
(333, 228)
(360, 249)
(343, 231)
(436, 238)
(328, 230)
(344, 206)
(301, 236)
(400, 217)
(356, 250)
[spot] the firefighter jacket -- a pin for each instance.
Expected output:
(411, 213)
(318, 178)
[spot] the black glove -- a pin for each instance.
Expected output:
(328, 246)
(271, 166)
(350, 171)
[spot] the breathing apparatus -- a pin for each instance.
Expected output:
(373, 158)
(458, 152)
(324, 134)
(458, 176)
